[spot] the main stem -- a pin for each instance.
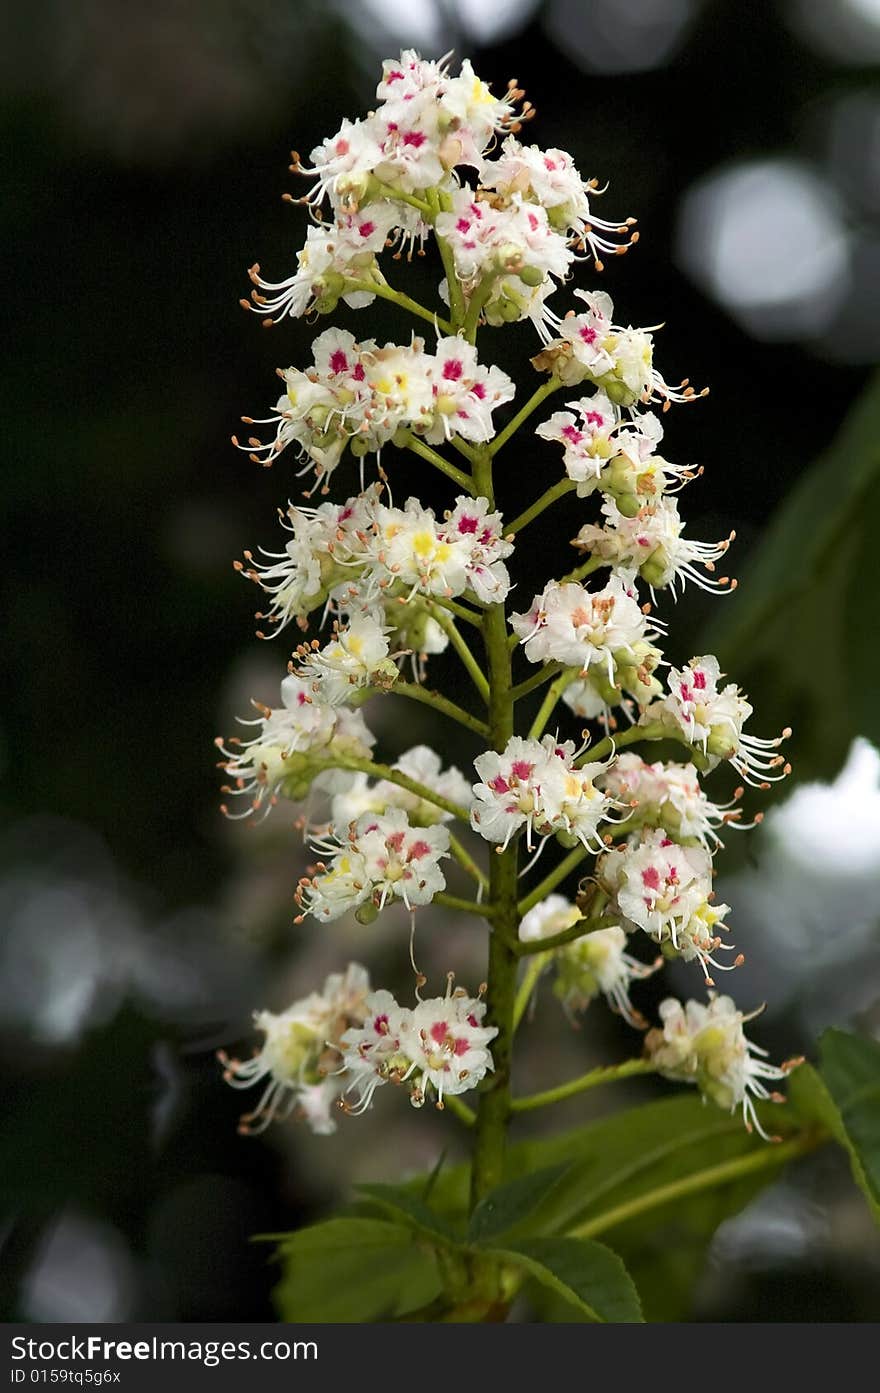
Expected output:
(494, 1107)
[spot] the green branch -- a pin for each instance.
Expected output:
(459, 1109)
(467, 862)
(527, 987)
(550, 495)
(767, 1155)
(544, 391)
(548, 671)
(452, 471)
(393, 776)
(595, 563)
(414, 692)
(611, 743)
(462, 906)
(593, 1079)
(397, 297)
(548, 705)
(448, 625)
(556, 877)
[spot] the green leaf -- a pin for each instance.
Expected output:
(806, 528)
(510, 1205)
(850, 1066)
(585, 1274)
(635, 1154)
(355, 1270)
(405, 1207)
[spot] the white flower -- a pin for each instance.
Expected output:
(464, 393)
(356, 657)
(382, 858)
(592, 696)
(535, 784)
(421, 764)
(578, 627)
(549, 177)
(620, 361)
(283, 757)
(550, 916)
(440, 1045)
(513, 248)
(324, 555)
(478, 533)
(666, 890)
(712, 720)
(372, 1052)
(652, 543)
(595, 964)
(592, 965)
(669, 795)
(705, 1045)
(411, 549)
(448, 1045)
(300, 1059)
(508, 796)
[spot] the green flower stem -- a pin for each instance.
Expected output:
(593, 1079)
(611, 743)
(397, 197)
(478, 299)
(452, 471)
(548, 671)
(467, 862)
(463, 447)
(447, 624)
(527, 986)
(559, 940)
(494, 1107)
(595, 563)
(544, 391)
(459, 1109)
(470, 616)
(394, 776)
(551, 697)
(399, 298)
(442, 704)
(753, 1161)
(550, 882)
(461, 906)
(456, 298)
(549, 496)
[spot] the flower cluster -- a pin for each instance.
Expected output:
(705, 1045)
(298, 1066)
(380, 858)
(361, 396)
(594, 964)
(538, 785)
(387, 578)
(439, 1046)
(295, 748)
(582, 628)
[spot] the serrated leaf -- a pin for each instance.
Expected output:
(404, 1207)
(850, 1068)
(355, 1270)
(584, 1273)
(510, 1205)
(625, 1156)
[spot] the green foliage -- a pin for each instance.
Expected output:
(655, 1181)
(815, 573)
(851, 1071)
(355, 1270)
(586, 1275)
(515, 1204)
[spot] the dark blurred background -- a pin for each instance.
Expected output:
(146, 152)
